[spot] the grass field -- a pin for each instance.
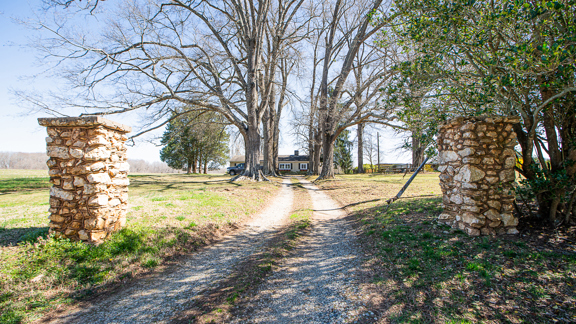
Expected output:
(419, 271)
(170, 215)
(422, 272)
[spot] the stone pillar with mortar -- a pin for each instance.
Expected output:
(88, 170)
(477, 159)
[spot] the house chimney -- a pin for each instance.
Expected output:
(296, 152)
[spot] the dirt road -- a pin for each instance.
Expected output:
(317, 283)
(158, 299)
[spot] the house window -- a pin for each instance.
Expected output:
(285, 166)
(303, 166)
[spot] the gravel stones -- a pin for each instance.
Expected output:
(160, 298)
(319, 283)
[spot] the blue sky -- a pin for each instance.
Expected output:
(18, 133)
(19, 130)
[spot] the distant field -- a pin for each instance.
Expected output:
(169, 215)
(23, 203)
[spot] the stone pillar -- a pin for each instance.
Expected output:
(476, 156)
(89, 176)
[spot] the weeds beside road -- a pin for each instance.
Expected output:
(170, 215)
(233, 294)
(425, 272)
(418, 271)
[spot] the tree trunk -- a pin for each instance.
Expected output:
(313, 158)
(310, 150)
(252, 153)
(206, 164)
(275, 147)
(271, 135)
(268, 167)
(526, 142)
(317, 152)
(417, 151)
(328, 157)
(360, 148)
(275, 117)
(194, 165)
(252, 132)
(317, 158)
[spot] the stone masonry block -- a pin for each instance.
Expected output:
(89, 176)
(477, 159)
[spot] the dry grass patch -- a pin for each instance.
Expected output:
(179, 200)
(424, 272)
(171, 216)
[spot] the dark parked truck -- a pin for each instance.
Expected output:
(234, 170)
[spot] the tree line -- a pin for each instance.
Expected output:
(241, 60)
(337, 64)
(37, 161)
(21, 160)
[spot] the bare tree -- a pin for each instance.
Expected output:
(160, 56)
(370, 148)
(349, 39)
(280, 56)
(142, 166)
(360, 141)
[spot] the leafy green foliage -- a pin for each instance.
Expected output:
(508, 58)
(193, 138)
(544, 180)
(343, 151)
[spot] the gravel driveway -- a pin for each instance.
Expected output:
(319, 283)
(157, 299)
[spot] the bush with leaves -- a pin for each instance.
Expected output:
(508, 58)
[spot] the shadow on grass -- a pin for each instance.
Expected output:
(87, 270)
(13, 236)
(159, 183)
(23, 184)
(426, 272)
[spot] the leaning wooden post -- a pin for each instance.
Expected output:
(477, 159)
(89, 174)
(406, 185)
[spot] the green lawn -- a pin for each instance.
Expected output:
(170, 215)
(423, 272)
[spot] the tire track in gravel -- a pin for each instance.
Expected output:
(319, 283)
(157, 299)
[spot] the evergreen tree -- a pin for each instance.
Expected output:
(195, 140)
(343, 151)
